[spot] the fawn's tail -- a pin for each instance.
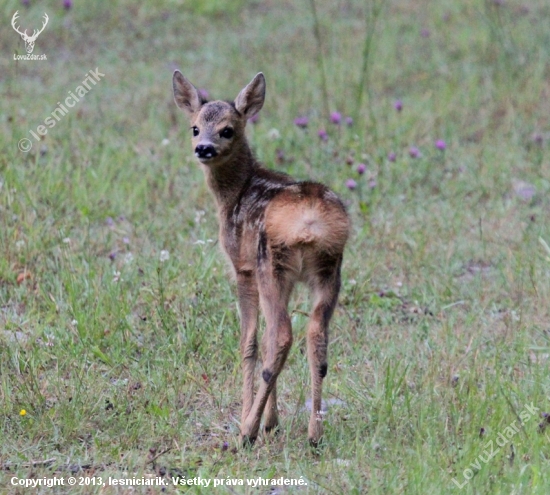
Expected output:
(308, 214)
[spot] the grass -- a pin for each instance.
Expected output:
(127, 365)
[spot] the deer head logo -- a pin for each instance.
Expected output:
(29, 40)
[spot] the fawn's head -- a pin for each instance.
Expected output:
(218, 126)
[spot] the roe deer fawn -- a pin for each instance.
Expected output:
(276, 231)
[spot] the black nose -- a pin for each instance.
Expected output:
(205, 151)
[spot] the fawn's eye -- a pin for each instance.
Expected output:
(195, 130)
(227, 133)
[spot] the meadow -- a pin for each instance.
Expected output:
(119, 335)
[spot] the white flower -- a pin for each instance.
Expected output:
(198, 215)
(273, 134)
(164, 256)
(128, 258)
(165, 142)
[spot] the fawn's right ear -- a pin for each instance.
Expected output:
(185, 94)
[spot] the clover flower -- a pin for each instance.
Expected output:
(301, 121)
(414, 152)
(336, 118)
(351, 184)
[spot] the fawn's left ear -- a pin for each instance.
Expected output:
(251, 99)
(185, 94)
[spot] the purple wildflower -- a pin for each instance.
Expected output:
(254, 118)
(372, 183)
(112, 255)
(398, 105)
(523, 189)
(109, 221)
(351, 184)
(440, 144)
(301, 121)
(425, 33)
(361, 168)
(414, 152)
(204, 94)
(349, 121)
(392, 156)
(323, 136)
(26, 3)
(336, 118)
(125, 240)
(538, 138)
(67, 4)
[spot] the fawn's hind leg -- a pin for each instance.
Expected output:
(325, 286)
(248, 307)
(274, 286)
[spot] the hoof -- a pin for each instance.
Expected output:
(274, 430)
(247, 441)
(316, 444)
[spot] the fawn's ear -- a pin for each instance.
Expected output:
(185, 94)
(251, 99)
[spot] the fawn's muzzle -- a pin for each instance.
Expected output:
(205, 151)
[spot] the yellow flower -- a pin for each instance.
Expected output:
(22, 412)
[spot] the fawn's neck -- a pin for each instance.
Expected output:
(227, 181)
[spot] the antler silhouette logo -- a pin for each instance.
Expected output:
(29, 40)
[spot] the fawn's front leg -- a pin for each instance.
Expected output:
(248, 306)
